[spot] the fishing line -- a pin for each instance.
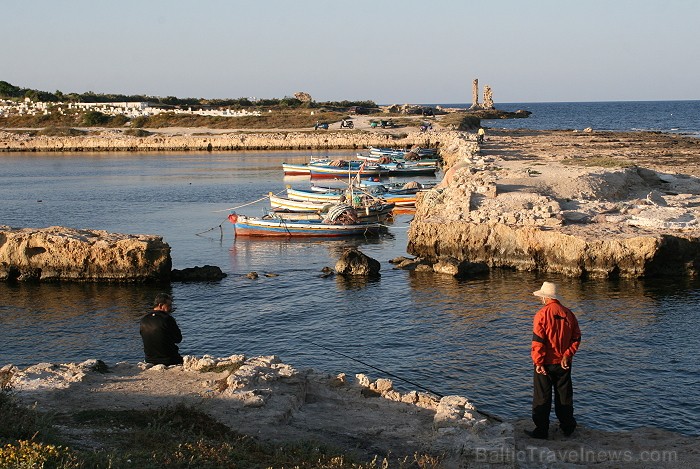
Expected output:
(376, 368)
(482, 412)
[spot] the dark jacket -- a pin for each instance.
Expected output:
(160, 333)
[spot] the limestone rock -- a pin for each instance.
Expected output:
(354, 262)
(459, 269)
(60, 254)
(196, 274)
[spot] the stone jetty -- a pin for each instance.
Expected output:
(115, 140)
(59, 253)
(553, 212)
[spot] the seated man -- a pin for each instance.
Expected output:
(160, 333)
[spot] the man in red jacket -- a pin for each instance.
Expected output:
(555, 339)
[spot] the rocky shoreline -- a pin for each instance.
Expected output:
(266, 398)
(582, 204)
(573, 204)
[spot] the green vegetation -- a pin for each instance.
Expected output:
(460, 121)
(9, 91)
(178, 436)
(280, 119)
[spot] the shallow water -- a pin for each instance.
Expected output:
(472, 337)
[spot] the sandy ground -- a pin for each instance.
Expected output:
(653, 150)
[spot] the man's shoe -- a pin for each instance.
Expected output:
(536, 434)
(568, 431)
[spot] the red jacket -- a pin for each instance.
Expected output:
(555, 334)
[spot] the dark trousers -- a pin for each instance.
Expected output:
(558, 380)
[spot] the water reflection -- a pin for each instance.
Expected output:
(469, 337)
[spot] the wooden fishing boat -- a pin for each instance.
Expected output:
(291, 169)
(277, 202)
(378, 213)
(313, 196)
(408, 169)
(422, 152)
(256, 226)
(301, 169)
(315, 199)
(347, 169)
(381, 159)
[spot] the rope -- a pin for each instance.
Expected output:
(210, 229)
(249, 203)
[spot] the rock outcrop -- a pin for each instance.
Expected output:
(265, 397)
(206, 273)
(548, 216)
(59, 253)
(354, 262)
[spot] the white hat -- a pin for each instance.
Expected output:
(548, 290)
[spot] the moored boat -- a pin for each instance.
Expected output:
(277, 202)
(291, 169)
(377, 213)
(343, 168)
(256, 226)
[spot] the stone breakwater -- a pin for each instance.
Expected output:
(549, 214)
(291, 140)
(59, 253)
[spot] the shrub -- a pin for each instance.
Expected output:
(139, 122)
(92, 118)
(137, 133)
(60, 132)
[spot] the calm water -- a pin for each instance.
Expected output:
(662, 116)
(635, 366)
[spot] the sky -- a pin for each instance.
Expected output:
(387, 51)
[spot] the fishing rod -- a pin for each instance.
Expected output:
(440, 395)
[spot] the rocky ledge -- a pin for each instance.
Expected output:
(273, 401)
(59, 253)
(550, 210)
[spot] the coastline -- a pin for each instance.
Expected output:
(363, 417)
(516, 145)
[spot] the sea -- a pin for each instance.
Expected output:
(638, 364)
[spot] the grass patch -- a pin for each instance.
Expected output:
(460, 121)
(218, 368)
(177, 436)
(137, 132)
(277, 119)
(601, 162)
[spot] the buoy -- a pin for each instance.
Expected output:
(233, 218)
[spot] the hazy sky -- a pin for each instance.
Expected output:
(388, 51)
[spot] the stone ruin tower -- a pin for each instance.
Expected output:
(475, 94)
(488, 97)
